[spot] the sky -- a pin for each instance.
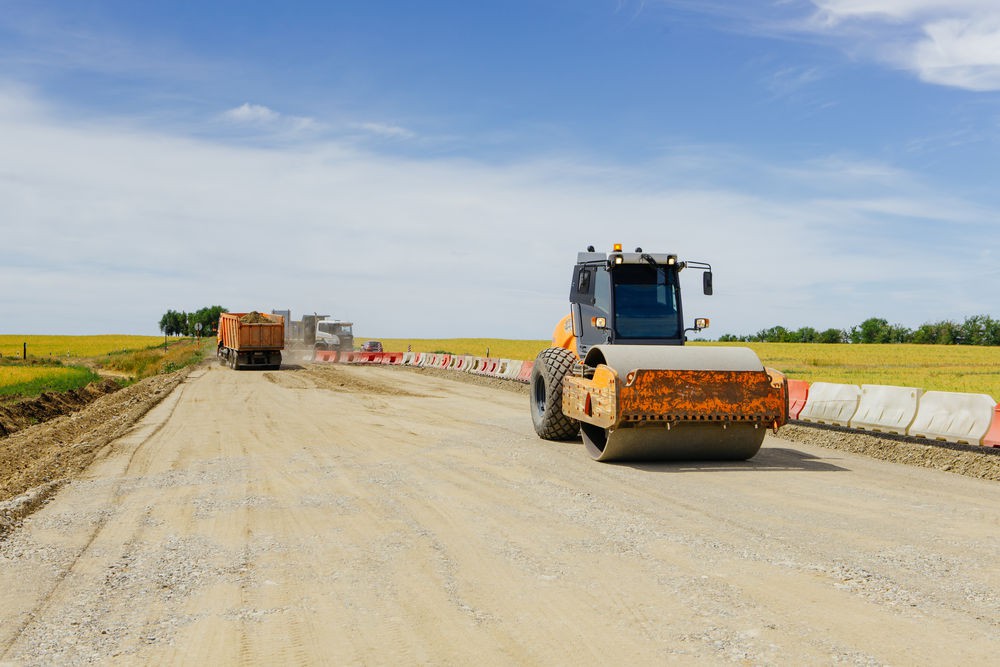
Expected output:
(431, 169)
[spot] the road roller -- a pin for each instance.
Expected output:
(619, 374)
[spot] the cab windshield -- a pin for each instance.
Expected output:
(645, 302)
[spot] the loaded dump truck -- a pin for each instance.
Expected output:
(619, 374)
(251, 340)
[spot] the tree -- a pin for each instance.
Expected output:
(179, 323)
(173, 323)
(207, 317)
(832, 336)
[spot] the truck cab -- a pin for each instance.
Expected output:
(334, 335)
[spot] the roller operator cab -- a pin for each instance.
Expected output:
(618, 372)
(627, 298)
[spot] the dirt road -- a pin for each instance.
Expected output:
(376, 516)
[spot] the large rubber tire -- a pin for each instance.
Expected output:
(551, 366)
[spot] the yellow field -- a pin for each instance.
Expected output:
(963, 368)
(12, 375)
(73, 346)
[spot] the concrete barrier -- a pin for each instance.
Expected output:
(525, 374)
(407, 359)
(513, 368)
(954, 417)
(798, 392)
(831, 403)
(992, 438)
(886, 409)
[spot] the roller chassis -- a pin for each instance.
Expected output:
(621, 377)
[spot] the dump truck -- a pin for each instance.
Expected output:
(251, 340)
(618, 372)
(317, 332)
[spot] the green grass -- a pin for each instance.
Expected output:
(19, 382)
(138, 364)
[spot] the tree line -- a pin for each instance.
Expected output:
(179, 323)
(975, 330)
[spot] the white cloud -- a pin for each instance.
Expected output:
(265, 119)
(127, 223)
(252, 113)
(947, 42)
(386, 131)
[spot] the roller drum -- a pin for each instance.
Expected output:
(732, 395)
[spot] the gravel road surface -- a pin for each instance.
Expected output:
(345, 515)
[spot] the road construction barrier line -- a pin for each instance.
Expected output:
(886, 409)
(407, 358)
(513, 368)
(954, 417)
(992, 437)
(325, 355)
(831, 403)
(444, 361)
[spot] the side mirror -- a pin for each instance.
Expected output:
(706, 283)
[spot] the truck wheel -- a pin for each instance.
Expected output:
(551, 366)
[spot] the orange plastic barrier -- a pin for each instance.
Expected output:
(325, 355)
(798, 393)
(992, 438)
(525, 374)
(394, 358)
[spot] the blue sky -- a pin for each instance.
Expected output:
(431, 169)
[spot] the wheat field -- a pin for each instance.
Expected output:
(41, 347)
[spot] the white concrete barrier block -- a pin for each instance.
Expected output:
(831, 403)
(886, 409)
(513, 369)
(953, 417)
(469, 362)
(407, 358)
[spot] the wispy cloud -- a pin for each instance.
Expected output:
(947, 42)
(386, 131)
(251, 113)
(265, 119)
(952, 43)
(148, 221)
